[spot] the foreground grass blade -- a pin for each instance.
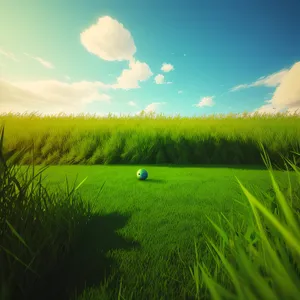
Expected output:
(211, 285)
(288, 236)
(18, 236)
(221, 232)
(81, 183)
(19, 260)
(229, 268)
(281, 200)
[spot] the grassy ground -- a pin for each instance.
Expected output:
(185, 233)
(150, 226)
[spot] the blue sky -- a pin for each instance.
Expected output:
(108, 56)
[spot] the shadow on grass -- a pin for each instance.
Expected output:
(87, 264)
(155, 180)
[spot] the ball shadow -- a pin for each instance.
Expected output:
(155, 180)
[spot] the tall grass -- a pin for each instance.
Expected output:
(154, 139)
(37, 229)
(262, 259)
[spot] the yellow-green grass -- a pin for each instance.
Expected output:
(167, 213)
(227, 139)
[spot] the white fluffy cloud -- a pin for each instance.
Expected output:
(272, 80)
(131, 103)
(50, 96)
(288, 92)
(109, 40)
(130, 78)
(167, 67)
(42, 61)
(180, 92)
(8, 55)
(287, 95)
(159, 79)
(205, 101)
(154, 107)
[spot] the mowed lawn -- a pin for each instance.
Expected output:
(165, 214)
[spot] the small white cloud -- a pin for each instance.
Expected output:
(184, 54)
(205, 101)
(272, 80)
(109, 40)
(131, 103)
(167, 67)
(9, 55)
(130, 78)
(153, 108)
(238, 87)
(42, 61)
(180, 92)
(67, 77)
(159, 79)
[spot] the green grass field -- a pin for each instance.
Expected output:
(164, 214)
(210, 222)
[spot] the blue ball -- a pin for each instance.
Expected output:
(142, 174)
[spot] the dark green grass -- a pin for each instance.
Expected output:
(167, 212)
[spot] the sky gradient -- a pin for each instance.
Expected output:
(186, 57)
